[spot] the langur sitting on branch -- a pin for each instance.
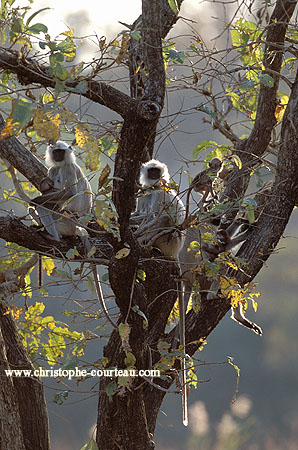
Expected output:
(159, 211)
(66, 185)
(65, 181)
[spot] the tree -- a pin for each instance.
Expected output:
(39, 82)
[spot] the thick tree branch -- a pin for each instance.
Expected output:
(19, 157)
(12, 229)
(29, 390)
(29, 71)
(283, 197)
(138, 135)
(256, 144)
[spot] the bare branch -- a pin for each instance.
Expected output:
(29, 71)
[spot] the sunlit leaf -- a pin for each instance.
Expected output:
(123, 253)
(174, 6)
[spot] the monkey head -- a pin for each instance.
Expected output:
(215, 164)
(153, 172)
(59, 155)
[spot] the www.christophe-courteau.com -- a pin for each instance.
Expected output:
(78, 373)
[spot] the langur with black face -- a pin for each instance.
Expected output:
(65, 187)
(159, 214)
(159, 211)
(65, 184)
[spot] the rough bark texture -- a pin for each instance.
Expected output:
(11, 435)
(28, 392)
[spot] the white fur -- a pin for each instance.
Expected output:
(158, 213)
(66, 175)
(145, 182)
(69, 155)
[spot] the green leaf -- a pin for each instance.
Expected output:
(4, 98)
(174, 6)
(141, 275)
(130, 359)
(35, 14)
(81, 87)
(61, 72)
(38, 28)
(204, 145)
(137, 310)
(59, 398)
(91, 445)
(59, 57)
(266, 79)
(105, 277)
(72, 253)
(52, 45)
(111, 389)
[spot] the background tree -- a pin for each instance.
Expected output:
(247, 76)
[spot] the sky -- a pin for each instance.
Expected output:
(102, 14)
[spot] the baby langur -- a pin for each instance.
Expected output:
(65, 184)
(202, 183)
(159, 212)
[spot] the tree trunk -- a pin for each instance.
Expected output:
(28, 391)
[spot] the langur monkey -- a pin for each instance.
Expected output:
(159, 213)
(203, 182)
(192, 268)
(65, 185)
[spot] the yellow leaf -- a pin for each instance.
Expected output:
(48, 265)
(123, 253)
(47, 124)
(81, 133)
(69, 33)
(10, 129)
(281, 106)
(104, 175)
(125, 39)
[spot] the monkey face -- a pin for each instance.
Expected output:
(58, 154)
(154, 173)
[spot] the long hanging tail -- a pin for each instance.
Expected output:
(183, 360)
(238, 316)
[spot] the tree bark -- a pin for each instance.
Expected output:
(28, 391)
(11, 433)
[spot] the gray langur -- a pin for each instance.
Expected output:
(203, 183)
(192, 267)
(159, 211)
(65, 186)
